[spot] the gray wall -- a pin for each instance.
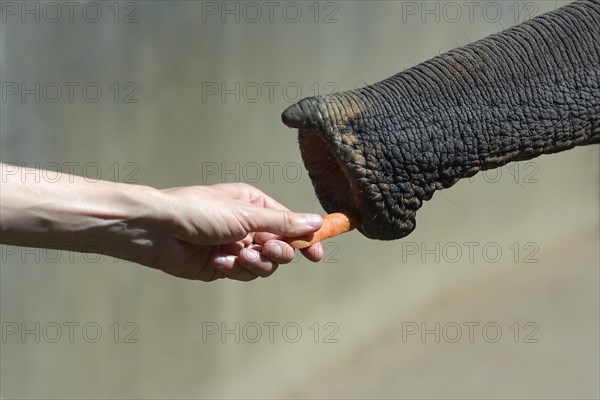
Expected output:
(541, 215)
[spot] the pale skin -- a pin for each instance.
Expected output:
(198, 232)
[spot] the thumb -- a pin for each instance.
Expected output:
(283, 222)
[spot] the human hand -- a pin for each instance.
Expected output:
(223, 231)
(199, 232)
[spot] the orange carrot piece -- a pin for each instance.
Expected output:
(333, 225)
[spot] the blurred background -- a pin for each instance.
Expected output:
(495, 295)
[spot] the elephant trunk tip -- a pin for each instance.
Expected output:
(334, 156)
(303, 115)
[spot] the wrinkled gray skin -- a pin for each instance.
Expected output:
(382, 150)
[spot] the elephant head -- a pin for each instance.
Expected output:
(381, 150)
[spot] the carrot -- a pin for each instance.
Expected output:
(333, 225)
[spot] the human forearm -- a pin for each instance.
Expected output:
(71, 212)
(197, 232)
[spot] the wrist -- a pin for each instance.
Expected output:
(125, 220)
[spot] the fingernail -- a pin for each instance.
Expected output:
(223, 261)
(313, 220)
(277, 252)
(252, 255)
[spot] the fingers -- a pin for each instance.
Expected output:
(230, 266)
(313, 253)
(246, 263)
(282, 253)
(256, 262)
(282, 222)
(268, 215)
(278, 251)
(264, 214)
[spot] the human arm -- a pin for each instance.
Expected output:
(198, 232)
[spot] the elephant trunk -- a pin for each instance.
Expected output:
(381, 150)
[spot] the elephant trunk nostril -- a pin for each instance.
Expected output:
(330, 176)
(303, 115)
